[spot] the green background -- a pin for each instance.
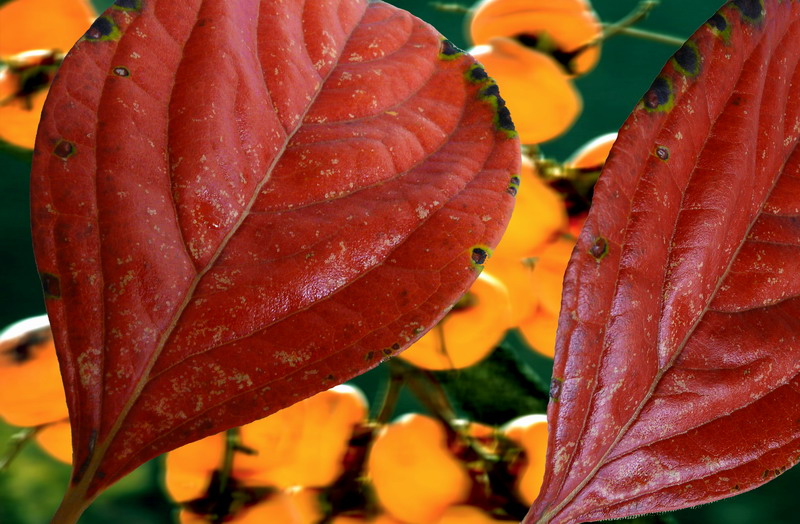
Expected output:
(30, 490)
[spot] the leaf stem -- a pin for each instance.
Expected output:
(391, 394)
(74, 503)
(231, 443)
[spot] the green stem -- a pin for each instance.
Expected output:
(74, 503)
(392, 393)
(651, 36)
(231, 443)
(450, 7)
(16, 444)
(625, 26)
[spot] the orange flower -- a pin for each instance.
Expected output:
(31, 391)
(568, 30)
(469, 332)
(415, 475)
(35, 33)
(530, 433)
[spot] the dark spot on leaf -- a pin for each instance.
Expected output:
(388, 351)
(479, 255)
(599, 248)
(369, 355)
(448, 50)
(330, 377)
(102, 29)
(662, 152)
(477, 74)
(718, 22)
(79, 472)
(659, 96)
(64, 149)
(751, 9)
(687, 59)
(129, 5)
(121, 71)
(491, 94)
(736, 487)
(513, 185)
(555, 388)
(396, 346)
(51, 285)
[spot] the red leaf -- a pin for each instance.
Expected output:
(239, 204)
(676, 375)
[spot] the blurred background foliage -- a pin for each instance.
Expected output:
(31, 488)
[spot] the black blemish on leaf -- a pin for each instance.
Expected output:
(102, 27)
(750, 9)
(51, 285)
(449, 49)
(330, 377)
(479, 255)
(64, 149)
(555, 388)
(388, 352)
(396, 346)
(662, 152)
(718, 22)
(513, 186)
(599, 248)
(477, 74)
(659, 96)
(491, 93)
(129, 5)
(369, 355)
(121, 71)
(687, 59)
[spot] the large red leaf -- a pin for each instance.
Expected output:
(239, 204)
(676, 375)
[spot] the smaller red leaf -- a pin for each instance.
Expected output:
(677, 371)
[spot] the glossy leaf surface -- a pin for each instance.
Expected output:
(239, 204)
(676, 374)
